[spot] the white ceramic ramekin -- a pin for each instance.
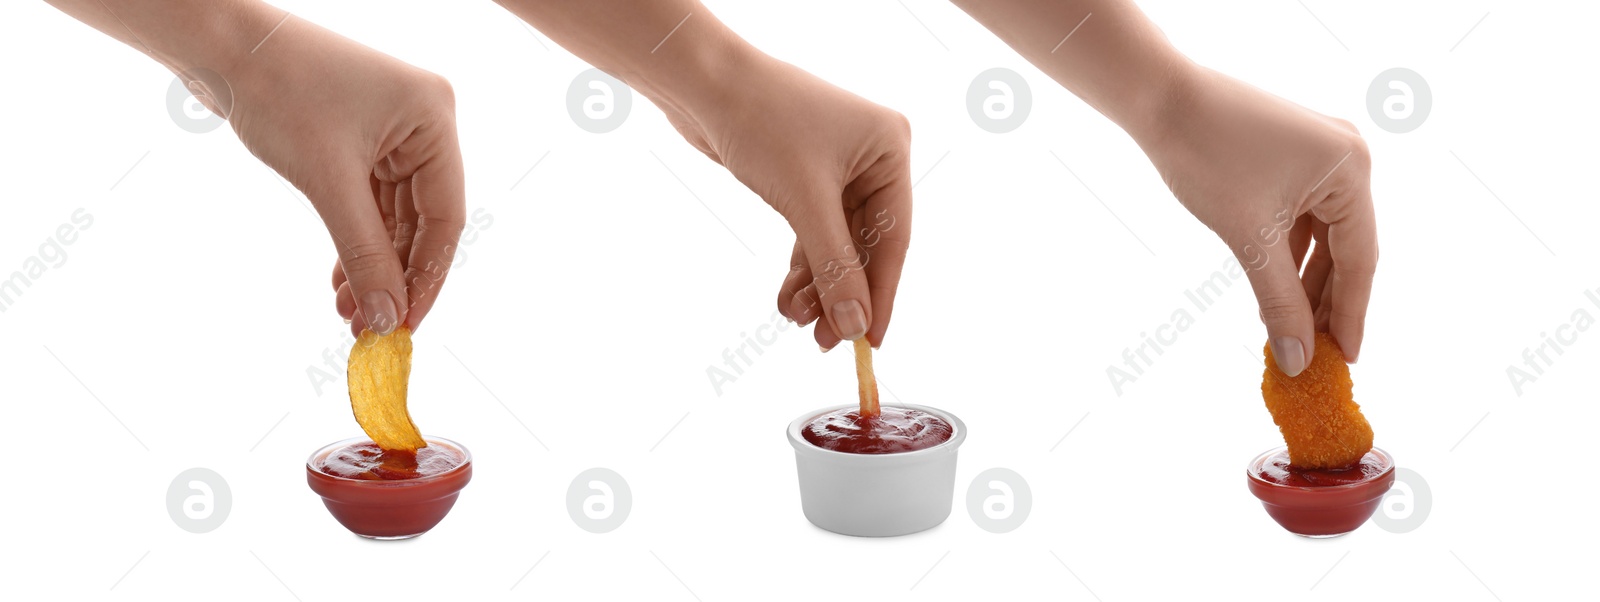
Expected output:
(876, 495)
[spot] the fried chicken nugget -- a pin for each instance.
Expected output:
(1315, 411)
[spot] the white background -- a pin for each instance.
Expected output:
(593, 304)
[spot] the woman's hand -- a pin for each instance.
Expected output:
(1265, 174)
(1268, 176)
(837, 167)
(371, 141)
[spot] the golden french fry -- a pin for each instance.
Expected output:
(380, 368)
(867, 383)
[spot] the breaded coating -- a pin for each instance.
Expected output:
(1315, 411)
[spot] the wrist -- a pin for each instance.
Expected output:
(232, 34)
(204, 42)
(188, 35)
(1155, 110)
(695, 77)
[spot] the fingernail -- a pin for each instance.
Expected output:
(850, 319)
(1289, 354)
(379, 310)
(347, 320)
(824, 349)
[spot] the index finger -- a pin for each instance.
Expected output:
(1353, 242)
(883, 229)
(438, 210)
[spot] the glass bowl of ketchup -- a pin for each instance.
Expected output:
(381, 494)
(1320, 503)
(876, 477)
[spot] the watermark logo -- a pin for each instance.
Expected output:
(999, 500)
(999, 100)
(1399, 100)
(1252, 255)
(52, 254)
(854, 257)
(1135, 360)
(597, 102)
(198, 500)
(1405, 507)
(738, 359)
(599, 500)
(1536, 360)
(480, 221)
(199, 100)
(334, 362)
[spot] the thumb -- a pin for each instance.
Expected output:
(839, 282)
(1284, 308)
(366, 254)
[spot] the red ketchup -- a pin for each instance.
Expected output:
(389, 494)
(894, 430)
(1276, 469)
(1320, 502)
(368, 462)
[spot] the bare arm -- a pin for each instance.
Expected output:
(834, 165)
(181, 34)
(1104, 51)
(370, 140)
(1265, 174)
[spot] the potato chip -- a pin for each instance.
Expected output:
(866, 382)
(380, 368)
(1316, 410)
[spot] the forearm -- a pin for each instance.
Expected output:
(672, 51)
(182, 34)
(1105, 51)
